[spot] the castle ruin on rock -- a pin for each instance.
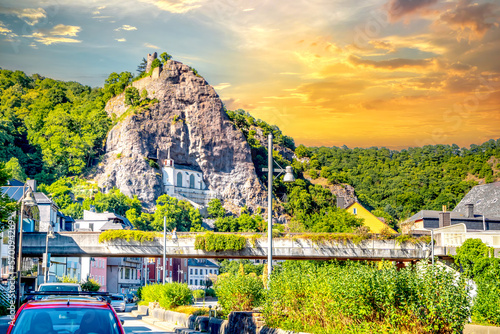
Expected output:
(184, 145)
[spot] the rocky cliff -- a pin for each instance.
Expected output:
(190, 119)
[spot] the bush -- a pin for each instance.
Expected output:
(91, 285)
(198, 294)
(212, 242)
(239, 292)
(169, 296)
(211, 293)
(356, 297)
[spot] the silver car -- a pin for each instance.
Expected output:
(118, 302)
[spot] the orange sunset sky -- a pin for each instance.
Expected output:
(393, 73)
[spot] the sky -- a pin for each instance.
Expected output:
(386, 73)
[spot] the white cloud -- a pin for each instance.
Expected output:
(28, 15)
(4, 30)
(59, 34)
(151, 46)
(175, 6)
(222, 85)
(126, 27)
(120, 39)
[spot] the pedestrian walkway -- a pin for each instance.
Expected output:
(477, 329)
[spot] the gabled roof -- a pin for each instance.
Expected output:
(13, 192)
(110, 225)
(486, 200)
(41, 198)
(432, 214)
(202, 263)
(15, 183)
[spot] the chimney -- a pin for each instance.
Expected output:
(469, 210)
(32, 185)
(340, 202)
(444, 219)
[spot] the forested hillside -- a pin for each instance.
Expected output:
(401, 183)
(52, 128)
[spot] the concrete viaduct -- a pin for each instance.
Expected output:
(87, 244)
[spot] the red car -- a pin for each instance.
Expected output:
(66, 315)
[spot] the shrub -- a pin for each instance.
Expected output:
(67, 279)
(140, 236)
(212, 242)
(211, 293)
(91, 285)
(198, 294)
(359, 298)
(239, 292)
(169, 296)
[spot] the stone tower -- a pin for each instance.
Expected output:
(151, 57)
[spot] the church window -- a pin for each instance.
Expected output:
(179, 179)
(191, 181)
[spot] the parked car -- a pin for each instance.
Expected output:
(118, 302)
(78, 315)
(60, 287)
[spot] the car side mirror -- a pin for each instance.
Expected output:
(122, 322)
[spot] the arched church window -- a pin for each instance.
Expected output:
(179, 179)
(191, 181)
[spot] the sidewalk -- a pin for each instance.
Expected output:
(477, 329)
(167, 326)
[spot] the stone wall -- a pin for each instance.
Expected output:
(237, 323)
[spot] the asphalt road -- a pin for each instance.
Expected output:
(131, 325)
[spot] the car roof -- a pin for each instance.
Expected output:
(68, 302)
(71, 284)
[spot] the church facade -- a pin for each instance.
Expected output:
(184, 182)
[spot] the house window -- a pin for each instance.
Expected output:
(196, 271)
(191, 181)
(121, 273)
(190, 271)
(195, 282)
(210, 270)
(127, 273)
(179, 179)
(190, 282)
(355, 211)
(170, 273)
(91, 226)
(170, 261)
(185, 262)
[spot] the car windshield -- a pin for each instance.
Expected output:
(59, 288)
(117, 298)
(66, 320)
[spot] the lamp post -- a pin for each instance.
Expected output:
(26, 200)
(287, 178)
(164, 247)
(50, 234)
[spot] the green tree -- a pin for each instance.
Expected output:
(132, 97)
(215, 208)
(15, 170)
(469, 254)
(165, 57)
(141, 68)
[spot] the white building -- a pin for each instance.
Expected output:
(184, 182)
(199, 271)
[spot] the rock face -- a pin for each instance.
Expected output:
(190, 119)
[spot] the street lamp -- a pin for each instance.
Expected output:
(164, 247)
(26, 200)
(287, 178)
(46, 262)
